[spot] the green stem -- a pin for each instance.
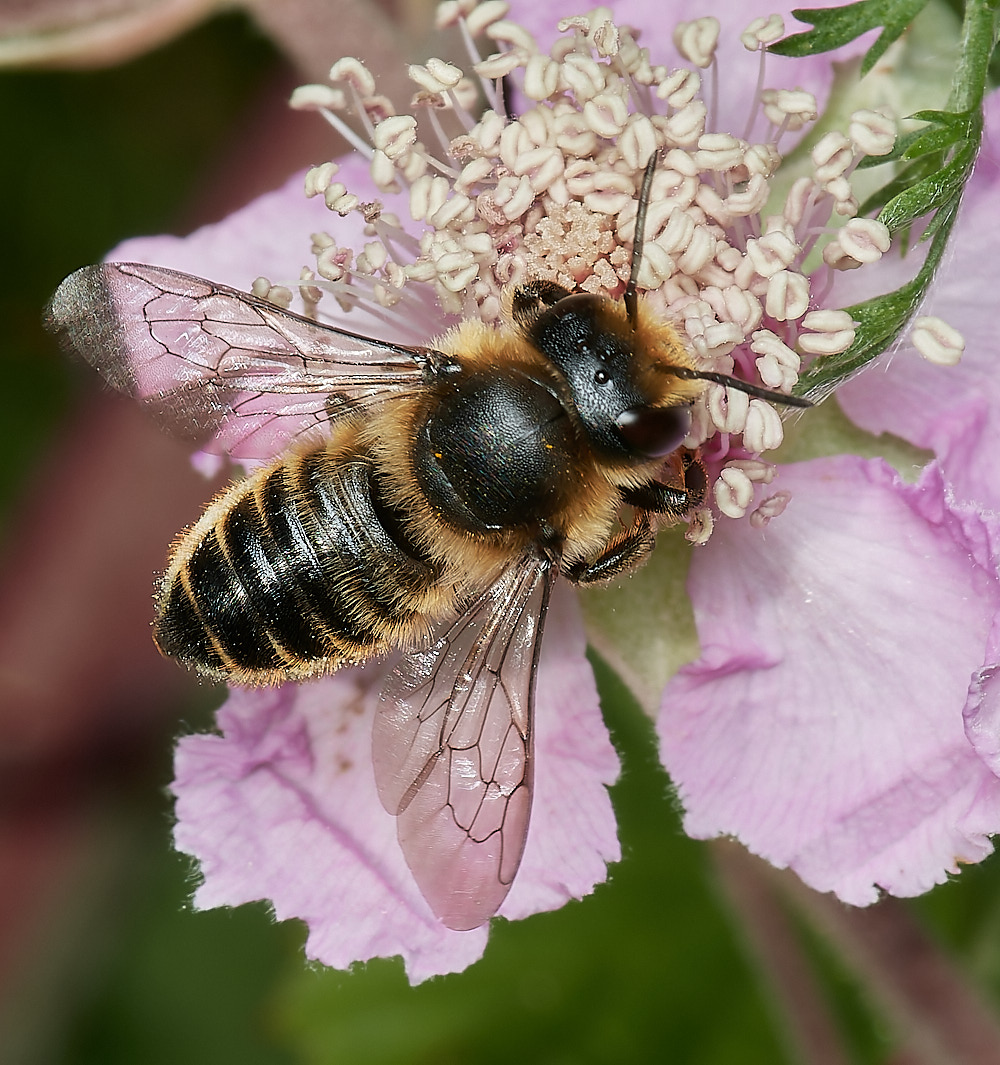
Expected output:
(881, 320)
(980, 31)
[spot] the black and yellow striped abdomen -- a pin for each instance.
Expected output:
(301, 568)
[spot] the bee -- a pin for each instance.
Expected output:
(427, 500)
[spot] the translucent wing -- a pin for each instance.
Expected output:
(452, 747)
(224, 368)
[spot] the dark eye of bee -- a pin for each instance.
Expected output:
(654, 431)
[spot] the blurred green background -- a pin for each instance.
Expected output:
(101, 959)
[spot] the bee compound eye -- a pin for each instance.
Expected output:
(654, 431)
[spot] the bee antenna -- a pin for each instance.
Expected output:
(631, 296)
(734, 382)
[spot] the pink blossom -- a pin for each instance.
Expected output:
(842, 719)
(823, 724)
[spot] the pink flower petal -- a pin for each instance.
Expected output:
(283, 806)
(822, 725)
(953, 411)
(270, 237)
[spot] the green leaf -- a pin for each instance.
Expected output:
(880, 320)
(836, 26)
(933, 192)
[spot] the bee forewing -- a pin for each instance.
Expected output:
(235, 373)
(452, 748)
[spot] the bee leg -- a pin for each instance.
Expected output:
(622, 553)
(532, 297)
(667, 499)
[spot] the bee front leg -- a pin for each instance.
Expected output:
(622, 554)
(669, 499)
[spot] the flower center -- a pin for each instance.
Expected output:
(542, 183)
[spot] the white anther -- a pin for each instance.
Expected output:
(679, 88)
(837, 259)
(762, 32)
(937, 341)
(460, 280)
(396, 135)
(759, 471)
(769, 508)
(498, 66)
(574, 137)
(373, 258)
(787, 296)
(722, 337)
(685, 127)
(383, 172)
(317, 97)
(318, 178)
(607, 200)
(449, 12)
(545, 165)
(699, 252)
(637, 142)
(657, 265)
(355, 73)
(277, 294)
(713, 205)
(831, 156)
(791, 108)
(436, 76)
(829, 332)
(763, 159)
(583, 76)
(846, 202)
(541, 77)
(700, 525)
(778, 365)
(483, 15)
(763, 430)
(728, 408)
(742, 307)
(334, 263)
(771, 253)
(511, 33)
(427, 195)
(801, 196)
(488, 130)
(696, 40)
(473, 172)
(606, 113)
(749, 200)
(677, 233)
(337, 198)
(378, 108)
(733, 492)
(872, 132)
(865, 239)
(719, 151)
(607, 39)
(457, 210)
(514, 196)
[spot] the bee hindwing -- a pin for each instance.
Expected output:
(452, 747)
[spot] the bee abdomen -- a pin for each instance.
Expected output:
(308, 569)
